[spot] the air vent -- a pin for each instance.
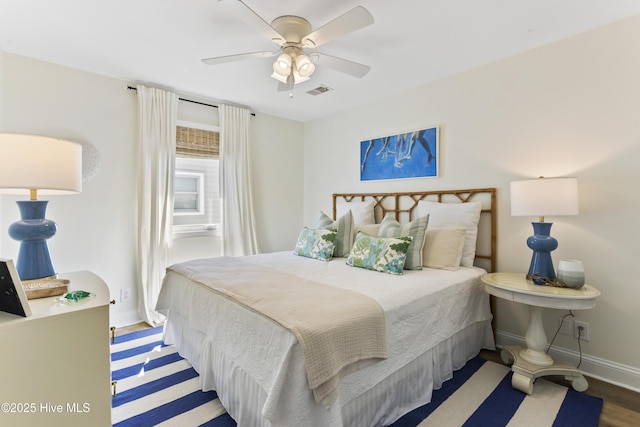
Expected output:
(319, 90)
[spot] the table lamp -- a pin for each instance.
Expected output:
(34, 164)
(543, 197)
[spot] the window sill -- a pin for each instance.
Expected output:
(195, 230)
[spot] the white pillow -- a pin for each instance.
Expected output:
(363, 212)
(465, 215)
(443, 248)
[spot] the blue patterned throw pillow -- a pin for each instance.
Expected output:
(317, 244)
(384, 254)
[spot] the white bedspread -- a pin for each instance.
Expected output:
(336, 328)
(422, 310)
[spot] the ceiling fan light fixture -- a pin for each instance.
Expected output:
(280, 77)
(282, 65)
(297, 78)
(303, 66)
(282, 68)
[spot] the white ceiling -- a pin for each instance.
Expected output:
(411, 42)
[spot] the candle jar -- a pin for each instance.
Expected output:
(571, 273)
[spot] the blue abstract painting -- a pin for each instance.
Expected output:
(406, 155)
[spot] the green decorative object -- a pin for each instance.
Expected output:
(76, 295)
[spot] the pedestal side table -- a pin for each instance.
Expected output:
(532, 362)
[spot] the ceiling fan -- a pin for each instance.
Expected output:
(294, 34)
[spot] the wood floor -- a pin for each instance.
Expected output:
(621, 406)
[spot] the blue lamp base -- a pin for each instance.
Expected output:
(33, 230)
(541, 268)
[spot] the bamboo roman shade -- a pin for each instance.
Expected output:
(199, 143)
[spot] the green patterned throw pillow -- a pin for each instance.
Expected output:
(384, 254)
(344, 224)
(317, 244)
(417, 229)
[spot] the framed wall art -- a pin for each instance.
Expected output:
(405, 155)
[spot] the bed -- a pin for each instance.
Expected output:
(434, 319)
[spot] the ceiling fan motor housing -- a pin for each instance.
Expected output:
(292, 28)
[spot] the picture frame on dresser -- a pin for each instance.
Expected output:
(412, 154)
(13, 298)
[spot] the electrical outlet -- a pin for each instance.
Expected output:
(565, 326)
(581, 330)
(124, 294)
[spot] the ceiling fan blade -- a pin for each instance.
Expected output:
(350, 21)
(239, 57)
(343, 65)
(250, 17)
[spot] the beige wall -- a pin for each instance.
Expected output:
(97, 228)
(571, 108)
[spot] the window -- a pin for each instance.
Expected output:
(196, 209)
(188, 193)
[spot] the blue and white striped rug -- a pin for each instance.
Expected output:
(158, 387)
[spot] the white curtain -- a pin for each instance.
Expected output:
(157, 112)
(238, 226)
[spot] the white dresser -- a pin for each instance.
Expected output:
(55, 365)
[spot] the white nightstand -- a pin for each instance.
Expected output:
(533, 362)
(56, 364)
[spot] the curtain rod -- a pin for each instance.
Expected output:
(188, 100)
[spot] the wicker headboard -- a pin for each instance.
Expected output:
(402, 205)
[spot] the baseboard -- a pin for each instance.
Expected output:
(126, 318)
(605, 370)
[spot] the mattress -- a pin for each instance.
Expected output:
(435, 320)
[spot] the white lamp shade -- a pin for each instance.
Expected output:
(544, 197)
(304, 66)
(51, 166)
(297, 78)
(282, 68)
(279, 77)
(282, 65)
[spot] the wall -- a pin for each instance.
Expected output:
(571, 108)
(97, 228)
